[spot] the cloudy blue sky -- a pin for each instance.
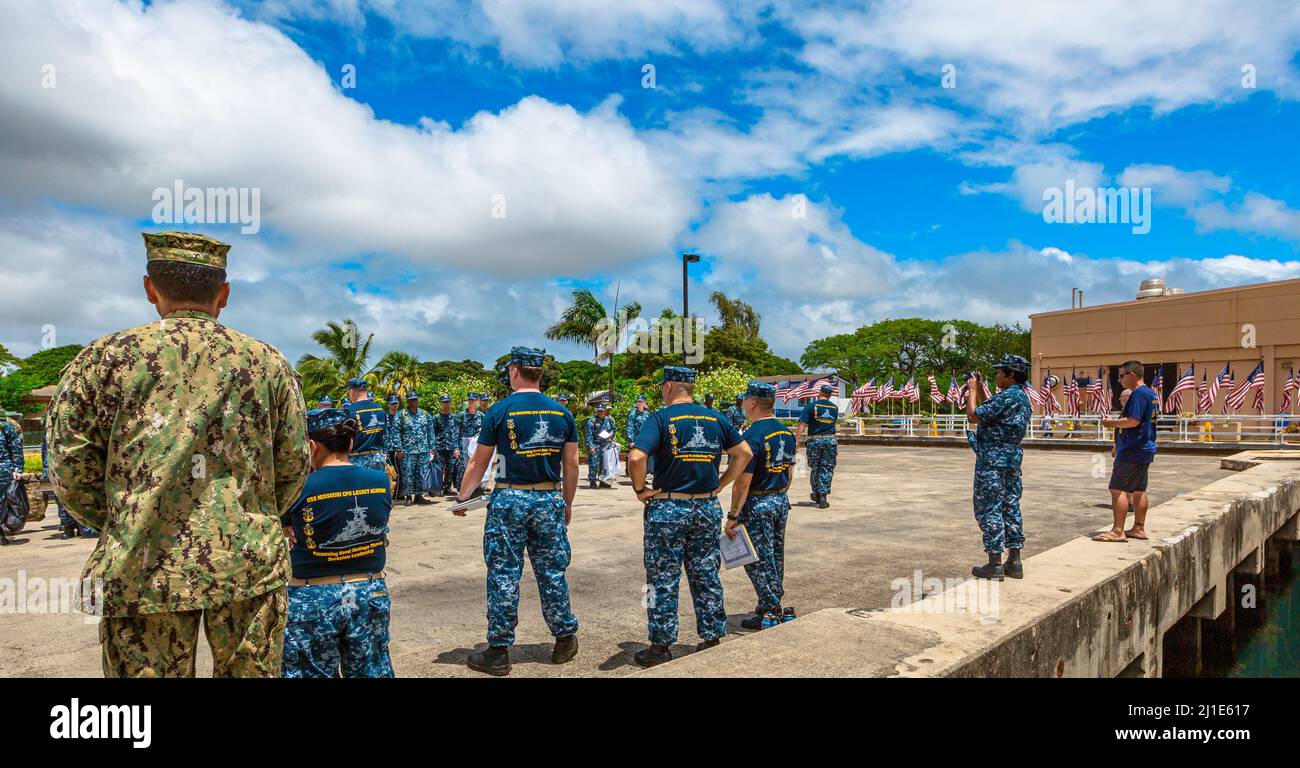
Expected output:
(810, 151)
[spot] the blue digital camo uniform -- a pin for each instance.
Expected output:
(683, 532)
(594, 426)
(736, 416)
(413, 432)
(467, 426)
(820, 416)
(765, 518)
(338, 627)
(370, 444)
(635, 419)
(446, 441)
(11, 453)
(65, 520)
(530, 431)
(1003, 420)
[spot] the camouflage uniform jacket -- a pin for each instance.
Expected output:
(413, 430)
(183, 441)
(1003, 421)
(446, 432)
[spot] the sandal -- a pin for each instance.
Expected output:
(1110, 536)
(1139, 536)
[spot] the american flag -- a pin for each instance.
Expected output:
(936, 394)
(985, 386)
(863, 396)
(809, 389)
(954, 391)
(1229, 384)
(783, 391)
(1094, 395)
(886, 390)
(1291, 386)
(914, 391)
(1237, 397)
(1071, 391)
(1203, 393)
(1051, 406)
(1212, 394)
(1156, 383)
(1185, 384)
(1035, 399)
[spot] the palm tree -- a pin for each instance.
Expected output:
(346, 359)
(399, 373)
(582, 323)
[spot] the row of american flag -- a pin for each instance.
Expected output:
(1093, 397)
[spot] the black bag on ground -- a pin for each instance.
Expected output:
(14, 508)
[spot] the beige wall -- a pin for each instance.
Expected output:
(1205, 327)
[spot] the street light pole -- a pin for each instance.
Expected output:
(687, 258)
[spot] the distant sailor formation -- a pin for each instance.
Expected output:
(218, 499)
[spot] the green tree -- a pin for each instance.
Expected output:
(585, 321)
(907, 347)
(7, 359)
(445, 370)
(398, 373)
(725, 383)
(38, 370)
(346, 357)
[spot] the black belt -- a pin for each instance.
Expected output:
(769, 493)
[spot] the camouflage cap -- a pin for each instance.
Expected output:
(640, 398)
(1014, 363)
(740, 396)
(826, 389)
(325, 401)
(603, 405)
(188, 247)
(445, 399)
(758, 389)
(678, 373)
(527, 357)
(412, 396)
(392, 400)
(324, 418)
(563, 398)
(358, 383)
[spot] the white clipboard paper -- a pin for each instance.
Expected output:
(738, 551)
(478, 502)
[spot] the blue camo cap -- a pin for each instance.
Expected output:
(678, 373)
(1014, 363)
(392, 400)
(324, 418)
(826, 389)
(358, 384)
(412, 396)
(563, 398)
(527, 357)
(445, 399)
(603, 405)
(325, 401)
(758, 389)
(640, 398)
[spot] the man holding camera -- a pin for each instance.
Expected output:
(1002, 421)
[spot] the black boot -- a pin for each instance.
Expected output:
(822, 502)
(707, 644)
(492, 660)
(991, 570)
(655, 654)
(407, 501)
(1014, 568)
(591, 484)
(565, 649)
(419, 499)
(70, 531)
(754, 622)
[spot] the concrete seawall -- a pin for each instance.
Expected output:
(1085, 609)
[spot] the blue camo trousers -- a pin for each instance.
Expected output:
(446, 466)
(377, 460)
(683, 532)
(414, 467)
(520, 520)
(765, 517)
(997, 508)
(593, 463)
(822, 455)
(335, 628)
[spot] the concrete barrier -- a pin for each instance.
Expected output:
(1084, 609)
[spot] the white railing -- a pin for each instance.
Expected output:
(1173, 428)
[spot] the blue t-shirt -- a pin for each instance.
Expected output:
(1138, 444)
(774, 453)
(820, 416)
(372, 420)
(340, 520)
(529, 431)
(686, 442)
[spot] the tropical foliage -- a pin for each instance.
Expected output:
(345, 358)
(39, 370)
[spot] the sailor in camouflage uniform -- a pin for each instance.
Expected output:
(446, 443)
(1002, 421)
(599, 422)
(413, 426)
(468, 425)
(370, 446)
(682, 515)
(183, 441)
(819, 418)
(759, 500)
(392, 444)
(325, 401)
(69, 526)
(736, 413)
(530, 510)
(338, 533)
(11, 453)
(563, 400)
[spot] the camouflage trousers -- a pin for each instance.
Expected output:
(683, 532)
(764, 518)
(66, 520)
(377, 460)
(446, 464)
(337, 628)
(593, 463)
(246, 637)
(532, 521)
(415, 469)
(822, 455)
(997, 508)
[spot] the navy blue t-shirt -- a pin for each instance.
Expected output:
(686, 442)
(340, 520)
(774, 453)
(820, 416)
(372, 420)
(529, 431)
(1138, 444)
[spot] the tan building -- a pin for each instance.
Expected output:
(1172, 330)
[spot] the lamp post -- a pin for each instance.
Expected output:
(687, 258)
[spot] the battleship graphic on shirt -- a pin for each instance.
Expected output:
(340, 522)
(529, 431)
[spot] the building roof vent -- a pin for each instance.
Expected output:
(1149, 288)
